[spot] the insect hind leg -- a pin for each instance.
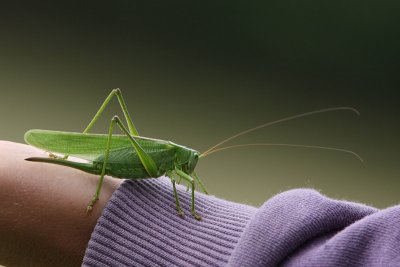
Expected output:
(146, 160)
(114, 92)
(103, 170)
(54, 156)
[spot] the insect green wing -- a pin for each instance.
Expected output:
(123, 160)
(90, 146)
(84, 146)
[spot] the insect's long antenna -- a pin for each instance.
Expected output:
(287, 145)
(208, 151)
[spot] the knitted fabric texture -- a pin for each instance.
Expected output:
(140, 227)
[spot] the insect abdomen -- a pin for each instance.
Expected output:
(125, 163)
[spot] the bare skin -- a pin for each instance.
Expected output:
(42, 209)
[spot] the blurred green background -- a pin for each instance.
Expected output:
(197, 72)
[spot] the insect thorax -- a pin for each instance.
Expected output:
(187, 158)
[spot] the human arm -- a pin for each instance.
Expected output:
(42, 209)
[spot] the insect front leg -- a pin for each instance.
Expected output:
(188, 178)
(200, 183)
(171, 175)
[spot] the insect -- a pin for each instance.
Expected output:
(131, 156)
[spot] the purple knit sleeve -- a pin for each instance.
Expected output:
(139, 227)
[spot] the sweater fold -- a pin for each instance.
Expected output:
(289, 220)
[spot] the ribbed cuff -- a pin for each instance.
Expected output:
(140, 227)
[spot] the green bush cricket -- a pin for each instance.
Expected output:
(131, 156)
